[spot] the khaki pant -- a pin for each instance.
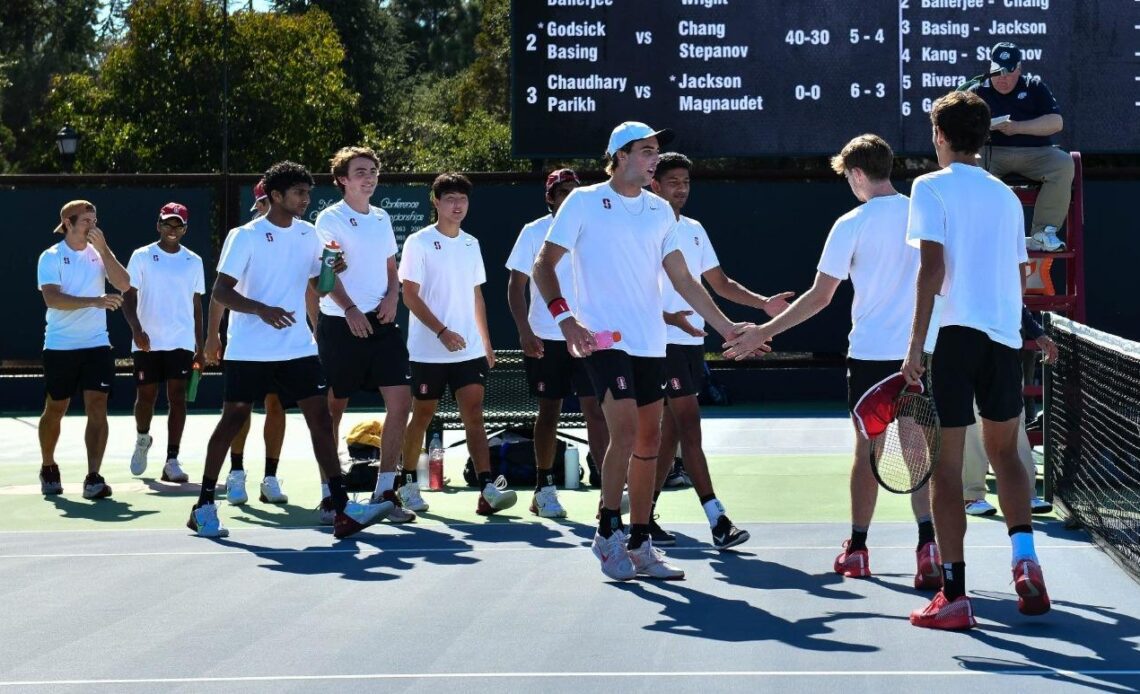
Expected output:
(975, 462)
(1051, 166)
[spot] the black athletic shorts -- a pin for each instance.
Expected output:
(862, 374)
(361, 363)
(429, 379)
(69, 371)
(684, 370)
(166, 365)
(623, 377)
(292, 380)
(558, 374)
(969, 366)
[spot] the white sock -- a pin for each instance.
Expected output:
(1023, 547)
(713, 510)
(385, 481)
(325, 493)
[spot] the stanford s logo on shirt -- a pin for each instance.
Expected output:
(67, 261)
(155, 257)
(437, 246)
(352, 221)
(606, 203)
(696, 240)
(269, 236)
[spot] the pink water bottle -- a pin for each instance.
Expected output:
(605, 339)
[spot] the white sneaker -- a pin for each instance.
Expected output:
(1045, 240)
(204, 521)
(172, 472)
(138, 458)
(398, 514)
(649, 561)
(614, 556)
(410, 497)
(235, 488)
(980, 507)
(1039, 505)
(271, 491)
(495, 497)
(368, 514)
(545, 504)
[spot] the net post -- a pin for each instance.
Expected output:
(1046, 398)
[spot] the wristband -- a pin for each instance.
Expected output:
(441, 331)
(558, 307)
(565, 315)
(349, 309)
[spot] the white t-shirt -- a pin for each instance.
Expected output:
(447, 270)
(77, 273)
(618, 244)
(367, 241)
(272, 265)
(522, 258)
(700, 258)
(981, 226)
(868, 244)
(169, 285)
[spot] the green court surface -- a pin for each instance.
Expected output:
(783, 481)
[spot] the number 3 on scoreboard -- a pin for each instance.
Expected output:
(531, 95)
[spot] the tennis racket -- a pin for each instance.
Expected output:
(904, 455)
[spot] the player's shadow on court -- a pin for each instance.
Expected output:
(1073, 637)
(277, 516)
(363, 557)
(506, 530)
(749, 571)
(689, 612)
(108, 510)
(157, 486)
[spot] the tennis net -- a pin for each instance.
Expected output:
(1092, 436)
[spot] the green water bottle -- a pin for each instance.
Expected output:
(328, 258)
(192, 387)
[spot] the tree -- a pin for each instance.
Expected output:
(38, 38)
(157, 104)
(486, 84)
(441, 33)
(375, 55)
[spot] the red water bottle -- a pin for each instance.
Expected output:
(605, 339)
(435, 464)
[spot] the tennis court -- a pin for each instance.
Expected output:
(116, 595)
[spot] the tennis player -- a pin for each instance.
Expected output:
(867, 245)
(969, 228)
(621, 236)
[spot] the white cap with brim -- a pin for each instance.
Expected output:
(631, 131)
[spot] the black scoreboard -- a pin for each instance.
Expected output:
(790, 77)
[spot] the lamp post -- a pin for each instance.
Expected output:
(67, 140)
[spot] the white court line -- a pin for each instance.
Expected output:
(1027, 670)
(468, 550)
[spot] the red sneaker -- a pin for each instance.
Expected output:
(944, 614)
(929, 573)
(855, 564)
(1030, 586)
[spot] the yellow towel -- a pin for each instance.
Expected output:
(366, 433)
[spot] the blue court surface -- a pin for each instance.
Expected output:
(517, 604)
